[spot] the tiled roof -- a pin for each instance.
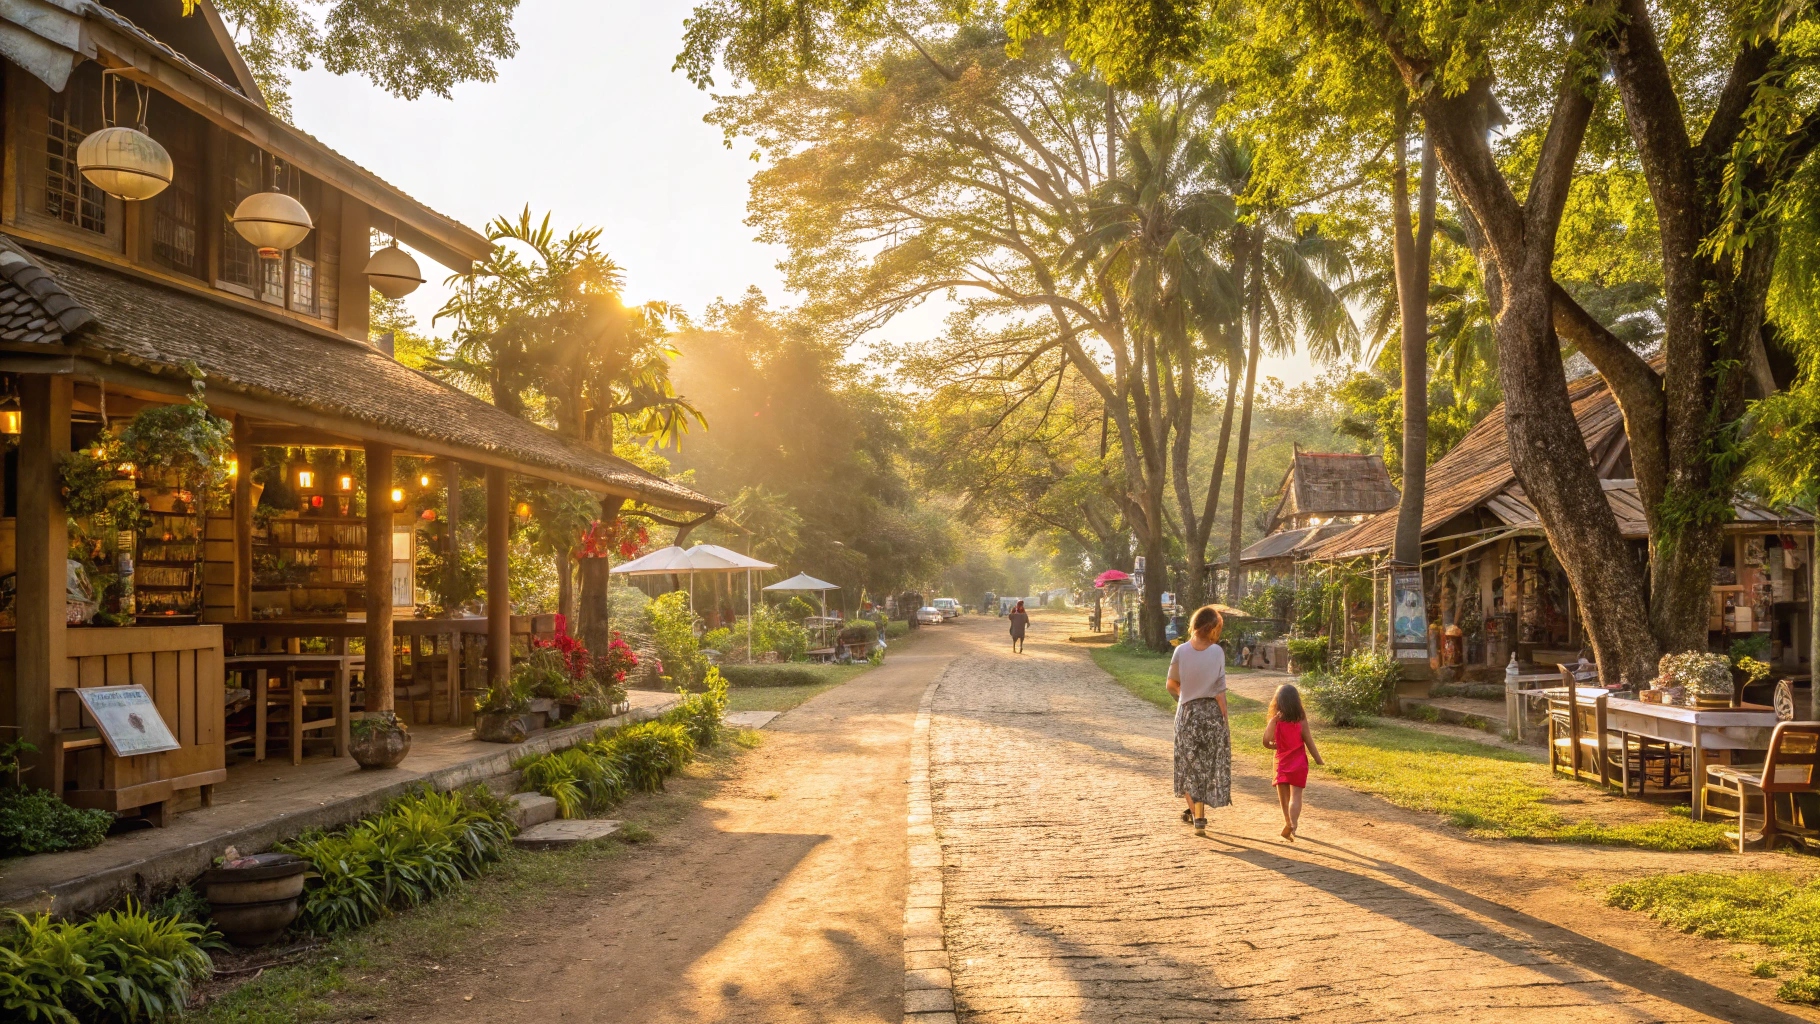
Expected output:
(162, 329)
(33, 306)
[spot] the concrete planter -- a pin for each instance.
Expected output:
(252, 904)
(506, 726)
(380, 743)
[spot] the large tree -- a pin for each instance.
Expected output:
(1720, 120)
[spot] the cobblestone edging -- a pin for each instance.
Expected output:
(928, 985)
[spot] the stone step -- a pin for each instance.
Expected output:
(751, 719)
(531, 809)
(553, 835)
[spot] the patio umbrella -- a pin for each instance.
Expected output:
(704, 552)
(802, 581)
(670, 561)
(1108, 578)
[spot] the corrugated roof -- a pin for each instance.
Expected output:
(1334, 483)
(1512, 507)
(160, 329)
(1289, 543)
(1479, 468)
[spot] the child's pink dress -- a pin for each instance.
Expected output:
(1292, 755)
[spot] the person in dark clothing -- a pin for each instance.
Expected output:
(1020, 621)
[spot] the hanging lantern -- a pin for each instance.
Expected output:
(393, 273)
(272, 221)
(125, 163)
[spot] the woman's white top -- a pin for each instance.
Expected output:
(1201, 673)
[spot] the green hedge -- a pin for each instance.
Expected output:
(593, 776)
(771, 675)
(896, 628)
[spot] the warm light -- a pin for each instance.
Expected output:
(233, 467)
(273, 222)
(429, 515)
(9, 421)
(524, 510)
(315, 501)
(124, 162)
(305, 478)
(128, 469)
(424, 480)
(347, 482)
(397, 495)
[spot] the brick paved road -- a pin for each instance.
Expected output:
(1074, 893)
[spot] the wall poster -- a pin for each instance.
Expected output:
(1408, 616)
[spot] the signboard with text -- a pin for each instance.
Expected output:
(1408, 616)
(128, 720)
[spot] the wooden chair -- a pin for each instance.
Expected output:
(301, 690)
(1578, 738)
(1789, 767)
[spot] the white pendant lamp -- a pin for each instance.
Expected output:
(272, 221)
(125, 163)
(393, 273)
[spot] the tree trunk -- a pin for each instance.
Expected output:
(1412, 250)
(594, 626)
(1235, 576)
(565, 583)
(1197, 591)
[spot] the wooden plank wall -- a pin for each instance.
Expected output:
(181, 666)
(218, 570)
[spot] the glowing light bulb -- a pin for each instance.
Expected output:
(305, 478)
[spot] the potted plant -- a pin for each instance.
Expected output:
(504, 713)
(378, 739)
(252, 900)
(1705, 679)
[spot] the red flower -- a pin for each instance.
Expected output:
(600, 540)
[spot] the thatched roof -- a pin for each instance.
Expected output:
(316, 376)
(1477, 473)
(1333, 484)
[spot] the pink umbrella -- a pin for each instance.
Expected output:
(1108, 577)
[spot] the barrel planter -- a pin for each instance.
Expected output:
(256, 899)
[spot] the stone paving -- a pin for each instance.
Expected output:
(1072, 892)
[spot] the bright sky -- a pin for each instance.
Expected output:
(590, 123)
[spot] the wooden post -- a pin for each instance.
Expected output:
(42, 551)
(499, 580)
(379, 577)
(243, 519)
(451, 571)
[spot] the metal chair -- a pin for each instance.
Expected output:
(1789, 768)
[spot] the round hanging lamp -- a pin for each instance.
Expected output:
(125, 163)
(393, 273)
(272, 221)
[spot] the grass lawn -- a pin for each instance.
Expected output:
(1489, 790)
(783, 698)
(353, 977)
(1767, 908)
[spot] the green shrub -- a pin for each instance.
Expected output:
(702, 713)
(1308, 651)
(1424, 713)
(744, 676)
(580, 781)
(35, 821)
(897, 628)
(421, 846)
(1357, 690)
(858, 631)
(651, 751)
(123, 965)
(673, 633)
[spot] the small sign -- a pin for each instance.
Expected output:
(1408, 614)
(129, 721)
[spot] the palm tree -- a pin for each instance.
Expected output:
(1290, 292)
(1158, 230)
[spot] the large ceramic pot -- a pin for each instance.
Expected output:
(378, 740)
(503, 726)
(256, 899)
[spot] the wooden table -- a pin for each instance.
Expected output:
(261, 665)
(1516, 702)
(1698, 729)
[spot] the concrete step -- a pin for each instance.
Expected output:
(531, 809)
(751, 719)
(554, 835)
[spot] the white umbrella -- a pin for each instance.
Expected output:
(804, 582)
(670, 561)
(706, 552)
(675, 561)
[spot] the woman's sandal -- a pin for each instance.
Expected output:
(1200, 826)
(1187, 815)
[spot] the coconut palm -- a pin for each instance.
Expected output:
(1158, 238)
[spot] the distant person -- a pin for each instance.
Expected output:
(1020, 621)
(1286, 732)
(1203, 735)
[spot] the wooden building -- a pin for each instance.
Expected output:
(108, 307)
(1495, 588)
(1323, 494)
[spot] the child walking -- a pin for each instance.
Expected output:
(1286, 732)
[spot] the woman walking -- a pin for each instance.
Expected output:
(1020, 621)
(1203, 741)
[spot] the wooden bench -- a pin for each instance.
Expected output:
(1788, 768)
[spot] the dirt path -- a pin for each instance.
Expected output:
(1072, 891)
(781, 898)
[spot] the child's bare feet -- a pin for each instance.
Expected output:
(1288, 833)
